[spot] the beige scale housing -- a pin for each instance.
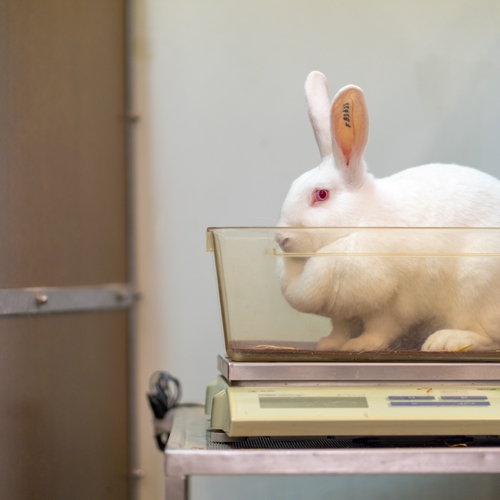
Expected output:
(280, 378)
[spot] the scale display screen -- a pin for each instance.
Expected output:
(313, 402)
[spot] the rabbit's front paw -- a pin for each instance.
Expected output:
(365, 343)
(452, 340)
(330, 343)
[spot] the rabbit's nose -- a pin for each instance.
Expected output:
(282, 240)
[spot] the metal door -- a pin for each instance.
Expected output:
(63, 225)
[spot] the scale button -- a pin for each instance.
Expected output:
(411, 398)
(464, 398)
(439, 403)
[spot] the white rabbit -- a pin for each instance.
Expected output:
(387, 296)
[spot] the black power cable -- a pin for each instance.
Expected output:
(164, 395)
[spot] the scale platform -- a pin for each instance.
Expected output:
(301, 400)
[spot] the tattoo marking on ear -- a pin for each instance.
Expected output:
(346, 114)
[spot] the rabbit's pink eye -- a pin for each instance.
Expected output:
(321, 195)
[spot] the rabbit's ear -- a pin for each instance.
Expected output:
(349, 130)
(318, 107)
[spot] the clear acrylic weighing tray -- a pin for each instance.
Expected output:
(359, 294)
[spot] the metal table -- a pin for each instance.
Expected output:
(190, 452)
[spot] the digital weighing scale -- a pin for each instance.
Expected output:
(278, 382)
(301, 400)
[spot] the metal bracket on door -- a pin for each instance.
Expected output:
(45, 300)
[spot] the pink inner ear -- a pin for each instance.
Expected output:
(343, 113)
(346, 151)
(348, 123)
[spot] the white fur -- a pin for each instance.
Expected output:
(390, 295)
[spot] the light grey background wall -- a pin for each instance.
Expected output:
(223, 131)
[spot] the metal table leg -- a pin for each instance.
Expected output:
(176, 488)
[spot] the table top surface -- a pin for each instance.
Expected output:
(190, 451)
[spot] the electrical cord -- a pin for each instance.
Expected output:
(164, 395)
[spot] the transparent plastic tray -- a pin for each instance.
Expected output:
(359, 294)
